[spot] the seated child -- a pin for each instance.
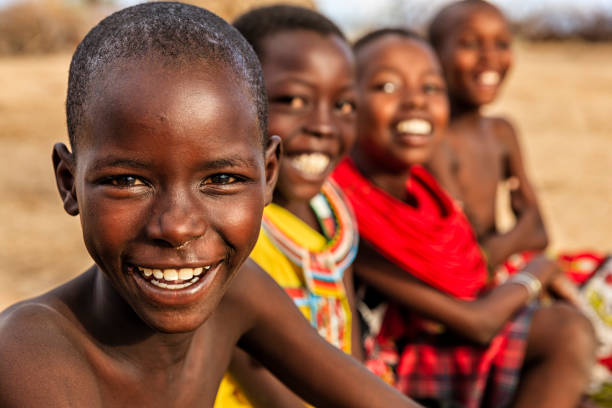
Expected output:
(444, 339)
(170, 170)
(473, 42)
(309, 238)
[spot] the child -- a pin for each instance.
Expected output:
(473, 41)
(170, 170)
(446, 339)
(309, 238)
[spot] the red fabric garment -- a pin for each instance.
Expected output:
(434, 242)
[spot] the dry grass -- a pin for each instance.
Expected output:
(558, 97)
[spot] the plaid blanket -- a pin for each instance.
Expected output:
(441, 370)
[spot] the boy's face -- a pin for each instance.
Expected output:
(476, 55)
(310, 83)
(170, 180)
(403, 108)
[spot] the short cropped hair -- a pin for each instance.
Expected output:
(262, 22)
(170, 31)
(447, 17)
(383, 32)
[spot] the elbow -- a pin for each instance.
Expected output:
(541, 241)
(483, 330)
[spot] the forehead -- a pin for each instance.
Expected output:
(476, 17)
(182, 97)
(398, 53)
(303, 50)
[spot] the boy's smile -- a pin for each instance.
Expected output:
(309, 80)
(402, 101)
(476, 55)
(170, 184)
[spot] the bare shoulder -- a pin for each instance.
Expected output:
(503, 129)
(40, 360)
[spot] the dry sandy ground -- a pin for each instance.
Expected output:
(559, 96)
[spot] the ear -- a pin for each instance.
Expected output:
(272, 158)
(64, 166)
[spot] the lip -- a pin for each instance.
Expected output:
(413, 139)
(176, 297)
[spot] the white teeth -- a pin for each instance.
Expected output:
(414, 126)
(163, 277)
(185, 273)
(489, 78)
(174, 286)
(170, 274)
(312, 164)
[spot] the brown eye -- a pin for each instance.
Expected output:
(345, 107)
(388, 87)
(125, 181)
(297, 102)
(220, 179)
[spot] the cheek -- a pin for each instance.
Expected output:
(348, 129)
(109, 226)
(440, 111)
(507, 59)
(238, 221)
(376, 112)
(283, 125)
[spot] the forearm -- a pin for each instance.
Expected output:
(478, 320)
(261, 388)
(528, 234)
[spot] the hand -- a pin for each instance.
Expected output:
(563, 288)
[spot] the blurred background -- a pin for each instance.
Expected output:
(559, 97)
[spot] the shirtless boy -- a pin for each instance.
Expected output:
(169, 170)
(472, 39)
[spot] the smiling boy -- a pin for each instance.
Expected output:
(473, 41)
(170, 170)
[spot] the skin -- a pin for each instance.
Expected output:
(310, 84)
(477, 321)
(165, 151)
(480, 152)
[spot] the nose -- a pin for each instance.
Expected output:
(320, 122)
(413, 98)
(488, 53)
(177, 220)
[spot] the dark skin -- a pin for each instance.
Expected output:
(548, 361)
(479, 151)
(310, 84)
(163, 152)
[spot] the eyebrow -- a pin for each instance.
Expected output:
(225, 162)
(118, 162)
(231, 161)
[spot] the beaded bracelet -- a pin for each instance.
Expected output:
(529, 282)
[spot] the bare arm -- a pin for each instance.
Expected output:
(479, 320)
(294, 352)
(262, 389)
(529, 232)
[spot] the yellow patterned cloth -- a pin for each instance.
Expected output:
(310, 267)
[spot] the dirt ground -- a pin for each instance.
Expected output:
(559, 96)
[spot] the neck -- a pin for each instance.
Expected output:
(298, 207)
(460, 108)
(391, 178)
